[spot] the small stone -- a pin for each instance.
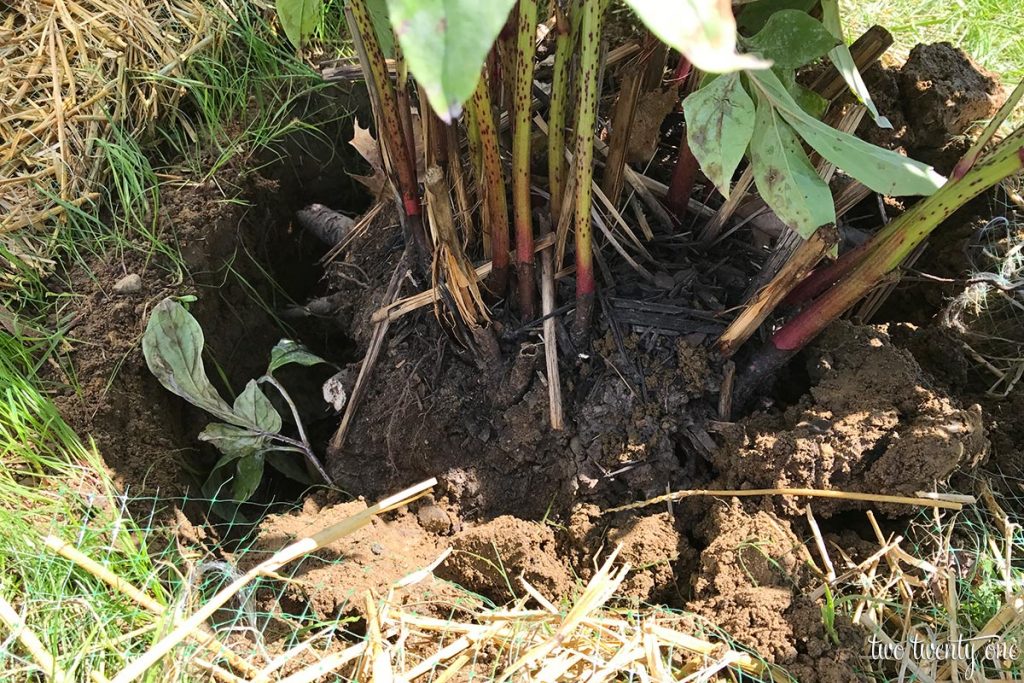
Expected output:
(377, 549)
(129, 284)
(576, 446)
(663, 280)
(434, 519)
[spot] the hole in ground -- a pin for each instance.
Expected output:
(247, 265)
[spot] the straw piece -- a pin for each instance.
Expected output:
(203, 635)
(812, 493)
(30, 641)
(279, 559)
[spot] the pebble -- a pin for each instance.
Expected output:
(129, 284)
(434, 519)
(377, 549)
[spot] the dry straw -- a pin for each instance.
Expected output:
(587, 639)
(70, 70)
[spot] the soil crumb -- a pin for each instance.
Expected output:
(873, 422)
(658, 553)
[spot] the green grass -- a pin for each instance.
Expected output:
(991, 31)
(50, 482)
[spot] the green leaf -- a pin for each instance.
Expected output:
(784, 177)
(445, 43)
(173, 347)
(811, 102)
(882, 170)
(843, 61)
(253, 406)
(755, 15)
(792, 38)
(287, 351)
(248, 473)
(378, 10)
(289, 464)
(703, 30)
(299, 18)
(719, 123)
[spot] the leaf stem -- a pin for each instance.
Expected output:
(880, 257)
(304, 440)
(567, 27)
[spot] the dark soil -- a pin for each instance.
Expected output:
(516, 499)
(932, 100)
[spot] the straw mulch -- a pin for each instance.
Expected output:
(69, 71)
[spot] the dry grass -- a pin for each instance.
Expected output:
(70, 72)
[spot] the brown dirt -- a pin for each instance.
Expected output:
(490, 558)
(141, 430)
(334, 581)
(932, 100)
(871, 422)
(432, 411)
(751, 581)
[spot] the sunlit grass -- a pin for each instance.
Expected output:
(991, 31)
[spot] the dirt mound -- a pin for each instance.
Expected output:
(490, 558)
(871, 422)
(751, 581)
(659, 554)
(931, 100)
(334, 581)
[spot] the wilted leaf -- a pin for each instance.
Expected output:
(719, 123)
(445, 43)
(367, 146)
(248, 473)
(792, 38)
(253, 406)
(703, 30)
(173, 347)
(784, 177)
(882, 170)
(242, 447)
(286, 352)
(234, 442)
(299, 18)
(843, 60)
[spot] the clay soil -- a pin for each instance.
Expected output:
(859, 411)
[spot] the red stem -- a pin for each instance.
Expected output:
(685, 172)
